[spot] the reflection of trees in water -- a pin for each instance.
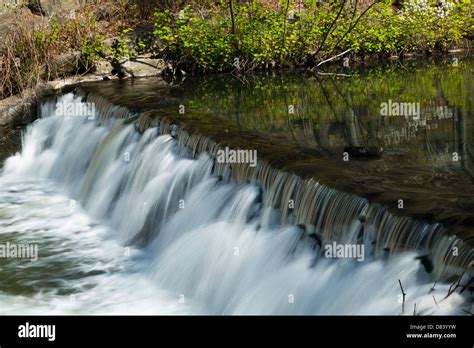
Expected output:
(435, 134)
(463, 146)
(331, 113)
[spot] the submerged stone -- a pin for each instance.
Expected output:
(364, 151)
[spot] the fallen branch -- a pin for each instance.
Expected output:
(465, 286)
(332, 58)
(457, 283)
(332, 74)
(404, 294)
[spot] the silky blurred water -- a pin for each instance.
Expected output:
(131, 224)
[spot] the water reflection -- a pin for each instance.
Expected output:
(335, 113)
(304, 123)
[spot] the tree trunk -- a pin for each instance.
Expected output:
(232, 15)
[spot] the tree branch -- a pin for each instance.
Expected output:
(353, 25)
(284, 23)
(404, 294)
(332, 58)
(326, 34)
(232, 15)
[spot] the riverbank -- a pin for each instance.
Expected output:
(109, 37)
(16, 112)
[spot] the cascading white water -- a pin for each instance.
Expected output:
(130, 223)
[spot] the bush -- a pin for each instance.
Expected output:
(420, 26)
(25, 51)
(202, 39)
(30, 47)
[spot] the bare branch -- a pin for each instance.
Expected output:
(330, 29)
(284, 23)
(335, 57)
(404, 294)
(232, 15)
(332, 74)
(351, 27)
(457, 283)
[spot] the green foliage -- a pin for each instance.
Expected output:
(419, 26)
(122, 49)
(92, 49)
(202, 39)
(263, 100)
(204, 44)
(47, 38)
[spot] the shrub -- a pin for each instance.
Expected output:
(202, 39)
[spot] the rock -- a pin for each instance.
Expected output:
(62, 66)
(302, 227)
(317, 242)
(427, 263)
(104, 68)
(144, 67)
(10, 142)
(171, 73)
(50, 7)
(364, 151)
(20, 110)
(6, 5)
(36, 7)
(103, 13)
(293, 17)
(109, 42)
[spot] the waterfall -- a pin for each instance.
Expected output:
(220, 238)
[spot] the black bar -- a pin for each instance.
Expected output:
(192, 330)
